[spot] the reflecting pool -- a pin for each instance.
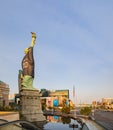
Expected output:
(62, 123)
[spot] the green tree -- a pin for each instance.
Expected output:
(85, 111)
(65, 109)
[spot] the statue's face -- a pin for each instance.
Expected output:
(26, 50)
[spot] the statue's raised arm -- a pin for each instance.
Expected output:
(28, 65)
(33, 39)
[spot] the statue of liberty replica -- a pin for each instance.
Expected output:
(28, 65)
(30, 105)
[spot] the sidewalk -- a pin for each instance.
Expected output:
(9, 116)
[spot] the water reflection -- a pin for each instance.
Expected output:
(66, 120)
(61, 123)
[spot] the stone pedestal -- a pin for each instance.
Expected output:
(30, 105)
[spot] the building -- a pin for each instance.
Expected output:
(4, 94)
(94, 103)
(107, 101)
(56, 98)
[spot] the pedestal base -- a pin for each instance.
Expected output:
(31, 106)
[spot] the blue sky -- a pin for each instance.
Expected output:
(74, 45)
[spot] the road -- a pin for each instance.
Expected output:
(104, 118)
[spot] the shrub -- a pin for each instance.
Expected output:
(50, 107)
(66, 109)
(6, 108)
(22, 117)
(85, 111)
(1, 108)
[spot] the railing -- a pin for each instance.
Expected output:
(2, 120)
(19, 124)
